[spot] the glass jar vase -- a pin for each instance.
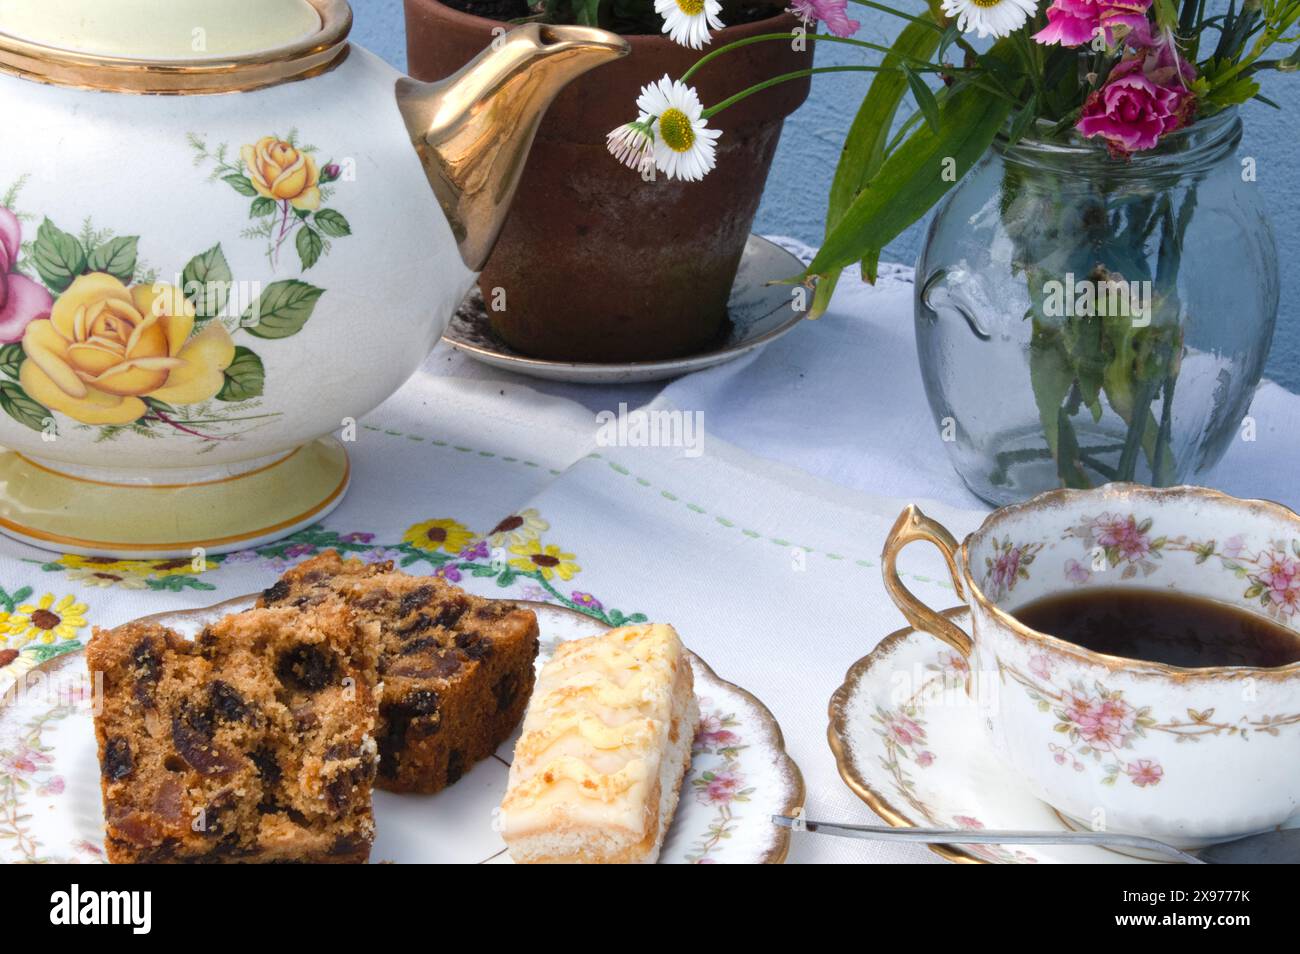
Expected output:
(1082, 318)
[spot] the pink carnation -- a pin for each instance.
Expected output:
(834, 13)
(1076, 22)
(1144, 98)
(22, 301)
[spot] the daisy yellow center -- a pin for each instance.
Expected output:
(676, 131)
(692, 8)
(987, 4)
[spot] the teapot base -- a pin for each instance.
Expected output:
(152, 516)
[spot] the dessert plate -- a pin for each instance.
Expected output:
(740, 775)
(909, 742)
(760, 312)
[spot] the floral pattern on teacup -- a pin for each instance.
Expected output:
(1113, 541)
(1099, 726)
(1271, 572)
(1008, 565)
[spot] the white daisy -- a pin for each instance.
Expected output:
(687, 22)
(633, 144)
(990, 17)
(683, 144)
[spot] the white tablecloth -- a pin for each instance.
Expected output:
(763, 550)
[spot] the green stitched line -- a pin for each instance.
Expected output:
(665, 494)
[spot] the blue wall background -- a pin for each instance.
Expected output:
(795, 201)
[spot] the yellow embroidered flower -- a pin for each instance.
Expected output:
(441, 534)
(518, 528)
(546, 559)
(280, 170)
(140, 568)
(127, 579)
(106, 346)
(45, 620)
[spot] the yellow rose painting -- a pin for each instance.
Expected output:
(88, 334)
(106, 346)
(288, 189)
(280, 171)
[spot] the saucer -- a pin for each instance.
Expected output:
(739, 777)
(910, 743)
(759, 312)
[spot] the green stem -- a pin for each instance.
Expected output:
(786, 77)
(819, 37)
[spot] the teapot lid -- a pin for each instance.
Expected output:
(172, 46)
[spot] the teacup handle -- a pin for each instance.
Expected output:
(912, 525)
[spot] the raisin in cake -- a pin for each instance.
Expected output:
(606, 744)
(457, 669)
(254, 742)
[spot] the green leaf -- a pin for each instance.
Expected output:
(261, 206)
(282, 309)
(116, 257)
(16, 403)
(245, 377)
(1024, 120)
(241, 184)
(915, 176)
(924, 96)
(11, 359)
(864, 146)
(59, 257)
(309, 248)
(333, 223)
(206, 281)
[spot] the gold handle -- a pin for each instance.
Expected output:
(913, 525)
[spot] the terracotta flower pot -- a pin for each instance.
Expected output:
(595, 263)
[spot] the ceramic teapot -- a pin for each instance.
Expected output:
(226, 232)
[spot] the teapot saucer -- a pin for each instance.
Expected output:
(910, 744)
(759, 312)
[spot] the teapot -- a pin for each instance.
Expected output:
(227, 233)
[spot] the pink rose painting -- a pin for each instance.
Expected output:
(22, 300)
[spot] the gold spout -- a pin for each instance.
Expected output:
(473, 130)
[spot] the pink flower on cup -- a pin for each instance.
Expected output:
(1125, 536)
(1005, 568)
(1281, 581)
(713, 735)
(721, 788)
(925, 759)
(1076, 22)
(967, 822)
(1145, 98)
(834, 13)
(1105, 724)
(904, 731)
(1076, 572)
(1144, 772)
(22, 300)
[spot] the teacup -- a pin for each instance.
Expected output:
(1189, 756)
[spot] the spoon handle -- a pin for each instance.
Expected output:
(932, 836)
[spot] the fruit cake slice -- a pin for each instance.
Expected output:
(457, 669)
(254, 742)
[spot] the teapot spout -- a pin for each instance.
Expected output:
(473, 129)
